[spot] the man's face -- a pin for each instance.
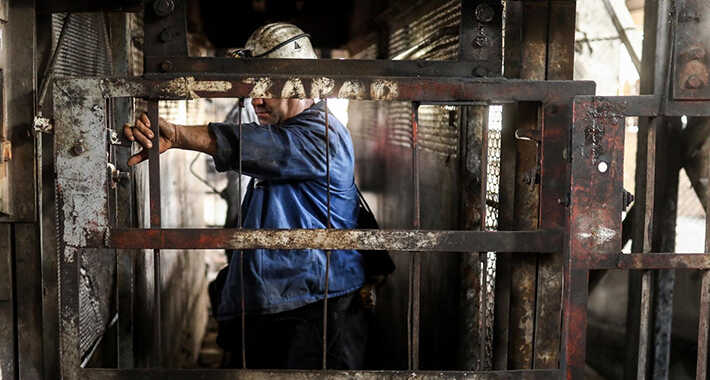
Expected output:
(275, 111)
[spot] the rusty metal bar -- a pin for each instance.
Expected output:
(155, 222)
(701, 367)
(642, 261)
(242, 300)
(329, 226)
(393, 240)
(326, 67)
(361, 87)
(596, 178)
(235, 374)
(415, 277)
(704, 317)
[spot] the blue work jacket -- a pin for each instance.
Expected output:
(289, 190)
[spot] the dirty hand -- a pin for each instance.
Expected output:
(142, 133)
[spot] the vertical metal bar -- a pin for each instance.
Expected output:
(241, 252)
(704, 317)
(640, 284)
(596, 178)
(552, 213)
(416, 259)
(327, 252)
(154, 176)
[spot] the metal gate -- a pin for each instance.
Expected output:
(581, 193)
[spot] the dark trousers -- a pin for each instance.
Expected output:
(294, 339)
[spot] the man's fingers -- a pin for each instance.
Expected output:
(144, 119)
(142, 139)
(138, 157)
(128, 132)
(145, 129)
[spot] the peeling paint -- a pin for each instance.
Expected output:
(293, 88)
(206, 86)
(322, 87)
(384, 90)
(601, 235)
(262, 87)
(352, 90)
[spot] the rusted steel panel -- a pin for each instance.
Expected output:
(691, 75)
(231, 374)
(595, 214)
(81, 199)
(394, 240)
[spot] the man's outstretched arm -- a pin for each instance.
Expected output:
(190, 137)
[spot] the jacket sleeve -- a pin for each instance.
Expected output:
(290, 152)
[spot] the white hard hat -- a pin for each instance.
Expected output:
(278, 40)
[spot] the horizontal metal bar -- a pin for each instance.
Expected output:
(305, 67)
(415, 88)
(232, 374)
(651, 105)
(634, 261)
(393, 240)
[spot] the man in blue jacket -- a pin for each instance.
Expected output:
(285, 155)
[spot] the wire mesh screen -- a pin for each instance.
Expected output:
(488, 263)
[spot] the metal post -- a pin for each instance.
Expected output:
(329, 226)
(154, 178)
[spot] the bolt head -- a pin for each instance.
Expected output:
(694, 82)
(166, 66)
(78, 148)
(163, 8)
(484, 13)
(480, 71)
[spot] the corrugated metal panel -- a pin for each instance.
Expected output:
(448, 14)
(439, 130)
(85, 48)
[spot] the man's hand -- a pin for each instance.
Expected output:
(142, 133)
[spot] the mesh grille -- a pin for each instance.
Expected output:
(84, 49)
(438, 130)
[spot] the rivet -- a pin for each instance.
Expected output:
(484, 13)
